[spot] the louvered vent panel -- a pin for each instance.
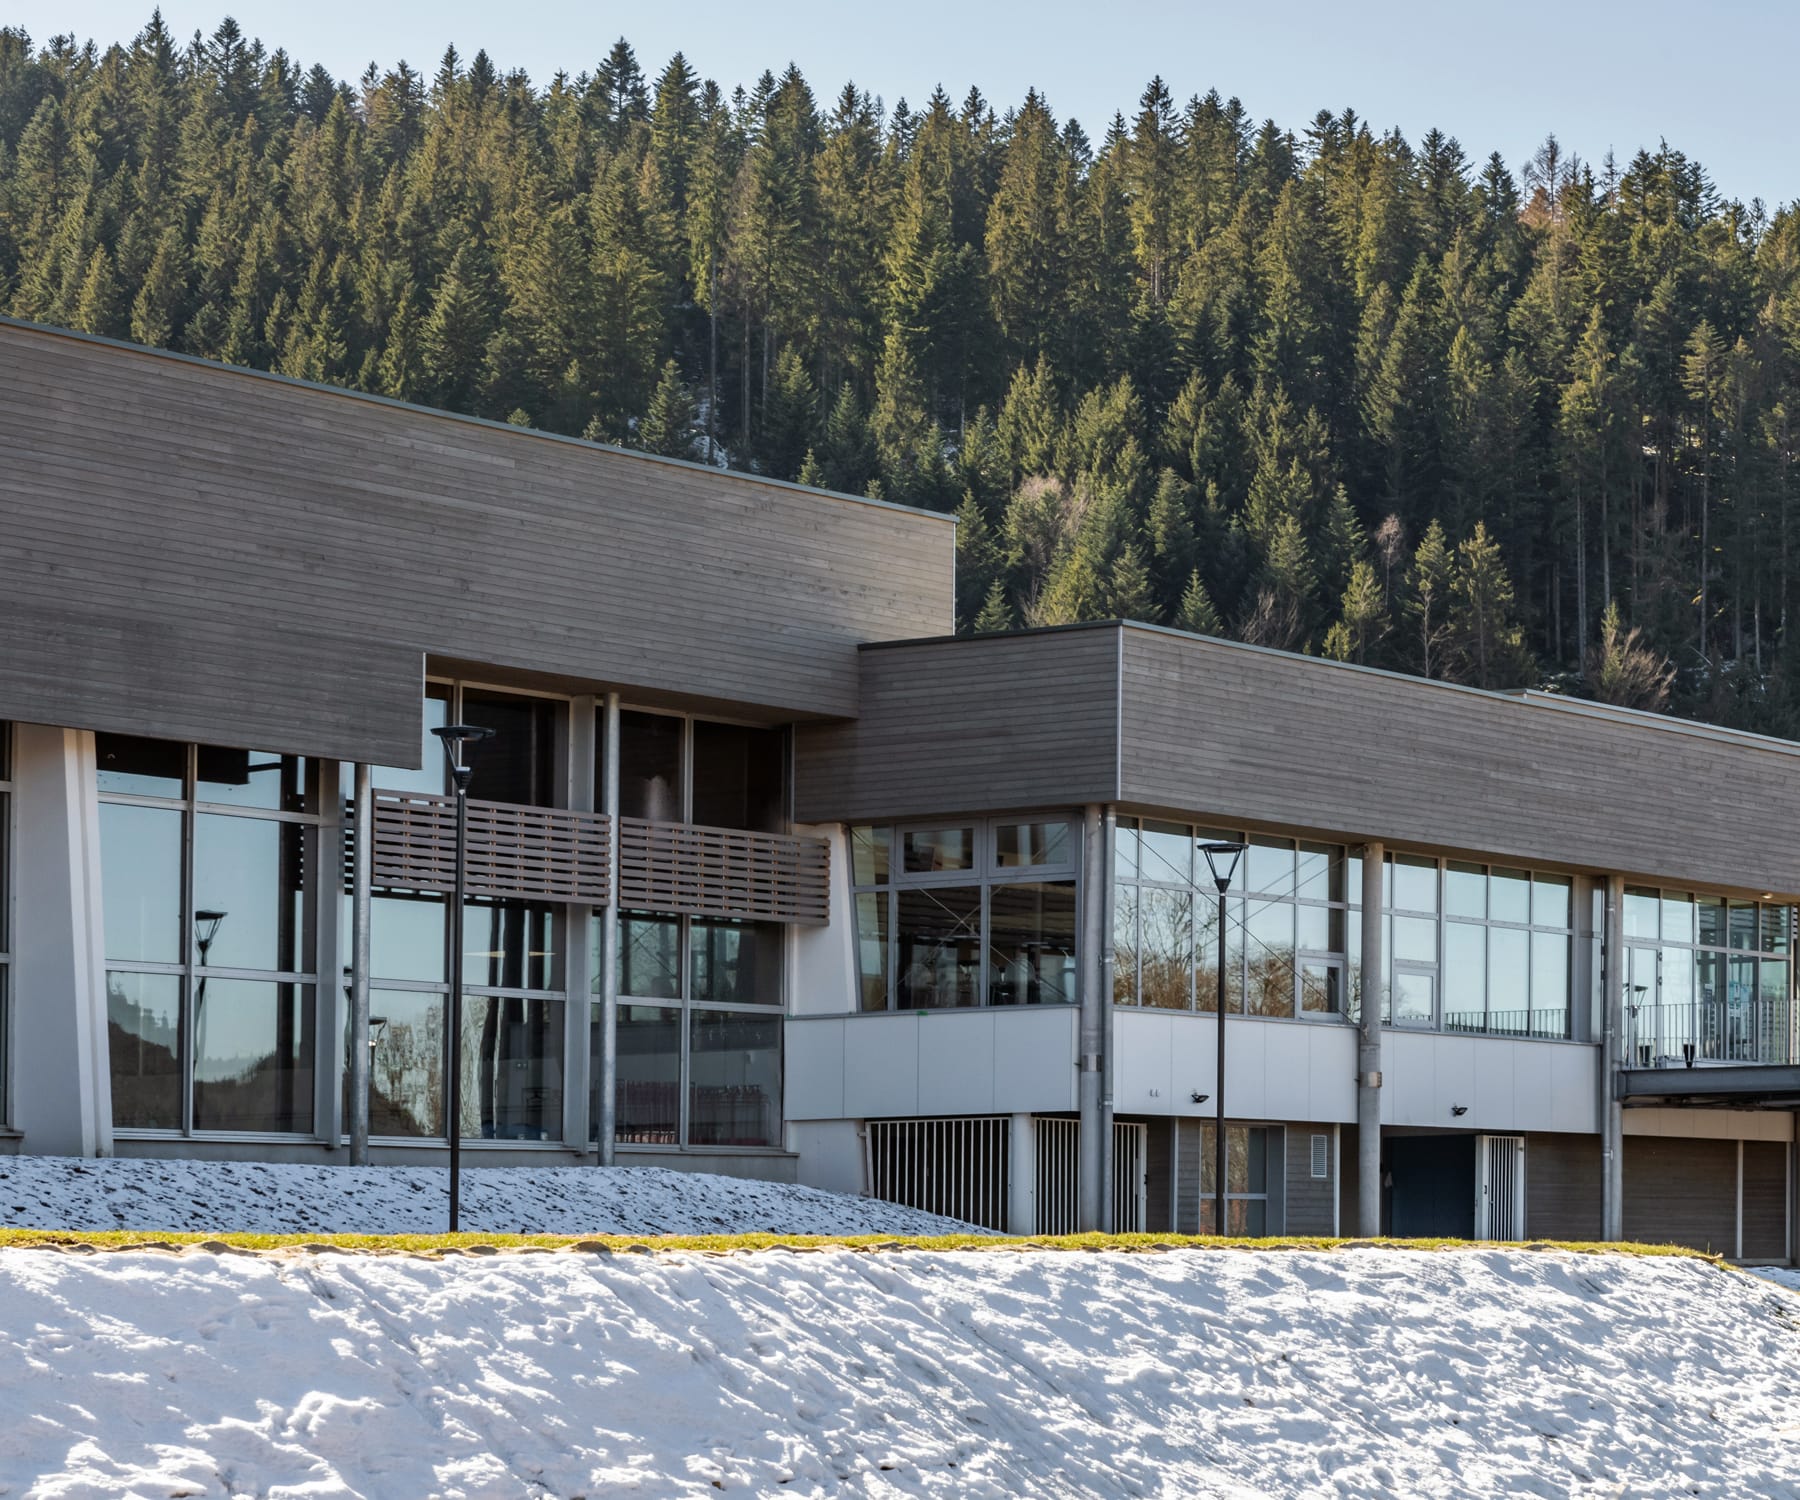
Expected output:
(529, 853)
(723, 873)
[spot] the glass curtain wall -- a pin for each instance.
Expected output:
(975, 912)
(211, 936)
(513, 992)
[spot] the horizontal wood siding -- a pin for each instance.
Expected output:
(1159, 1177)
(1563, 1187)
(1309, 1199)
(238, 541)
(1255, 736)
(967, 726)
(1681, 1192)
(1765, 1200)
(527, 853)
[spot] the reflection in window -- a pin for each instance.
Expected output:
(739, 776)
(140, 863)
(252, 778)
(1031, 944)
(511, 945)
(520, 763)
(650, 766)
(649, 956)
(1246, 1179)
(1167, 927)
(937, 940)
(248, 874)
(253, 1056)
(930, 851)
(872, 949)
(408, 1045)
(143, 1024)
(734, 1079)
(1021, 845)
(647, 1107)
(140, 767)
(735, 963)
(512, 1087)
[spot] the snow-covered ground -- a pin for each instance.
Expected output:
(1364, 1373)
(46, 1192)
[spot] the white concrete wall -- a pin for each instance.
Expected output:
(946, 1062)
(823, 973)
(1505, 1084)
(1275, 1070)
(831, 1155)
(61, 1087)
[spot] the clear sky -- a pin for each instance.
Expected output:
(1716, 78)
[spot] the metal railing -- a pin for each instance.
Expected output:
(526, 853)
(1753, 1029)
(953, 1166)
(724, 873)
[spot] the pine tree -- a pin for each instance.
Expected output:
(1428, 581)
(1624, 671)
(1197, 613)
(790, 416)
(995, 614)
(670, 427)
(1486, 648)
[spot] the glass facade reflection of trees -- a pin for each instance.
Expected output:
(211, 936)
(965, 913)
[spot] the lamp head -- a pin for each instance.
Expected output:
(1222, 860)
(454, 738)
(206, 927)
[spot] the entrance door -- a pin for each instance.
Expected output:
(1131, 1175)
(1500, 1187)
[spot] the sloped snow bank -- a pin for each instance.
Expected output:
(46, 1192)
(1190, 1373)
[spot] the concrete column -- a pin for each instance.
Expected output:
(1109, 827)
(1368, 1051)
(584, 774)
(1612, 1044)
(362, 904)
(609, 937)
(61, 1074)
(1021, 1183)
(1090, 1046)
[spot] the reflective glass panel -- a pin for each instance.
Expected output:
(1777, 928)
(929, 851)
(406, 937)
(520, 762)
(249, 911)
(1023, 845)
(649, 956)
(1414, 998)
(429, 776)
(1741, 924)
(1031, 944)
(140, 862)
(511, 945)
(1321, 929)
(869, 850)
(1270, 865)
(1772, 987)
(1125, 849)
(1643, 910)
(512, 1072)
(145, 768)
(1415, 939)
(650, 767)
(1509, 981)
(1319, 874)
(1125, 945)
(143, 1027)
(1552, 901)
(740, 776)
(1166, 924)
(1465, 977)
(1678, 917)
(1415, 883)
(252, 778)
(872, 949)
(1166, 854)
(938, 947)
(734, 1078)
(1206, 952)
(647, 1095)
(253, 1056)
(407, 1046)
(1269, 986)
(1549, 985)
(1321, 989)
(1465, 890)
(1509, 896)
(735, 963)
(1711, 911)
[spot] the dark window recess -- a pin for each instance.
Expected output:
(147, 768)
(649, 767)
(519, 763)
(738, 776)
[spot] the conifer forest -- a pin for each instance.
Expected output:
(1306, 384)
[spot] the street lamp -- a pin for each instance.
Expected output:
(1222, 860)
(206, 928)
(454, 738)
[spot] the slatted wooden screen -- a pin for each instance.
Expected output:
(723, 873)
(529, 853)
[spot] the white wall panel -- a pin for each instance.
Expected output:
(824, 981)
(881, 1064)
(1034, 1059)
(956, 1063)
(813, 1072)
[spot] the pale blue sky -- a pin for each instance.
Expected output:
(1715, 78)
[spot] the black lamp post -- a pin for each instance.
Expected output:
(1222, 860)
(206, 928)
(455, 737)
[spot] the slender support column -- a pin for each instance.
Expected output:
(1109, 827)
(607, 1082)
(362, 868)
(1612, 1036)
(1090, 1044)
(1021, 1179)
(1368, 1051)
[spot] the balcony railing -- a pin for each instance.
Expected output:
(527, 853)
(1754, 1029)
(723, 873)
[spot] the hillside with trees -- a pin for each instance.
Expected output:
(1318, 388)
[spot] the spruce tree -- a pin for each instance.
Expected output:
(670, 426)
(1197, 613)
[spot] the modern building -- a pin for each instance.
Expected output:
(772, 874)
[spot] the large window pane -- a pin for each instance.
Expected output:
(1320, 929)
(1741, 924)
(1643, 910)
(511, 945)
(1415, 940)
(1711, 910)
(512, 1073)
(1166, 924)
(1465, 890)
(1031, 944)
(1319, 874)
(872, 949)
(734, 1076)
(1125, 945)
(735, 963)
(647, 1107)
(1678, 914)
(869, 853)
(1549, 985)
(406, 937)
(249, 911)
(1269, 987)
(1552, 901)
(521, 762)
(1125, 849)
(145, 768)
(938, 948)
(1415, 997)
(1509, 981)
(1270, 866)
(931, 851)
(1509, 896)
(1777, 927)
(407, 1047)
(1023, 845)
(1321, 989)
(1206, 953)
(1415, 883)
(650, 767)
(1166, 853)
(253, 1056)
(253, 778)
(140, 861)
(143, 1027)
(739, 776)
(1465, 977)
(649, 956)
